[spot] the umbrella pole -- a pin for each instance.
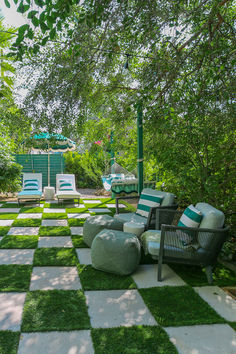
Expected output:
(48, 167)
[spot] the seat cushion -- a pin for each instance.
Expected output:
(128, 217)
(68, 194)
(28, 194)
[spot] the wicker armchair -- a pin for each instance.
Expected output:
(168, 203)
(168, 243)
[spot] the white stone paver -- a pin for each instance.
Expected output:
(33, 205)
(217, 339)
(78, 216)
(1, 237)
(76, 230)
(30, 216)
(74, 342)
(55, 210)
(79, 206)
(23, 231)
(92, 201)
(112, 205)
(19, 256)
(49, 278)
(51, 222)
(51, 241)
(15, 203)
(99, 210)
(9, 210)
(146, 276)
(114, 308)
(217, 298)
(6, 222)
(0, 205)
(84, 255)
(11, 307)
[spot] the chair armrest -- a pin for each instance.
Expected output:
(123, 198)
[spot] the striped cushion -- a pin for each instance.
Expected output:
(31, 185)
(191, 217)
(147, 201)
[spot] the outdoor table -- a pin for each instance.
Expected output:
(49, 193)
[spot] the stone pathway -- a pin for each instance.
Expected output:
(106, 308)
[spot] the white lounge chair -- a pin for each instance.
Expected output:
(66, 188)
(31, 187)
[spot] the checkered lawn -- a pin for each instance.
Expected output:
(47, 284)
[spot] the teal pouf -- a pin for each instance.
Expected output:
(94, 224)
(115, 252)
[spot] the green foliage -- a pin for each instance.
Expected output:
(9, 170)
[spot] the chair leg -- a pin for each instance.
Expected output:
(159, 268)
(209, 274)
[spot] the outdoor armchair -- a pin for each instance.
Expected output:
(66, 188)
(31, 187)
(188, 245)
(149, 201)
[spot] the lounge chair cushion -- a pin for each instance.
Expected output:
(68, 194)
(128, 217)
(149, 198)
(29, 194)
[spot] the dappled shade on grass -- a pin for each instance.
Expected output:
(93, 279)
(15, 277)
(178, 306)
(5, 216)
(26, 222)
(78, 241)
(136, 339)
(31, 210)
(196, 276)
(4, 230)
(76, 222)
(55, 256)
(18, 241)
(55, 310)
(54, 216)
(54, 231)
(9, 342)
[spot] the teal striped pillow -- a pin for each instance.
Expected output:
(191, 217)
(146, 202)
(31, 185)
(65, 185)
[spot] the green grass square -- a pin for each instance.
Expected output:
(178, 306)
(31, 210)
(9, 342)
(76, 210)
(196, 276)
(27, 222)
(15, 277)
(93, 279)
(54, 206)
(55, 256)
(132, 340)
(19, 241)
(6, 216)
(78, 241)
(233, 325)
(55, 310)
(13, 205)
(54, 216)
(54, 231)
(76, 222)
(4, 230)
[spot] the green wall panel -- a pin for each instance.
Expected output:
(38, 163)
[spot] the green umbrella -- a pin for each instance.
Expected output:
(52, 142)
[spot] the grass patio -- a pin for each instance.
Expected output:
(65, 302)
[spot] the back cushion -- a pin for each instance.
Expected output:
(212, 217)
(149, 198)
(31, 184)
(65, 185)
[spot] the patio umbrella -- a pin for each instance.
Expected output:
(54, 143)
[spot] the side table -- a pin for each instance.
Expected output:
(49, 193)
(134, 228)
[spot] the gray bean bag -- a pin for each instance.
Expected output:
(115, 252)
(94, 224)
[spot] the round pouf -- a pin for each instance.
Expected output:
(94, 224)
(134, 228)
(115, 252)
